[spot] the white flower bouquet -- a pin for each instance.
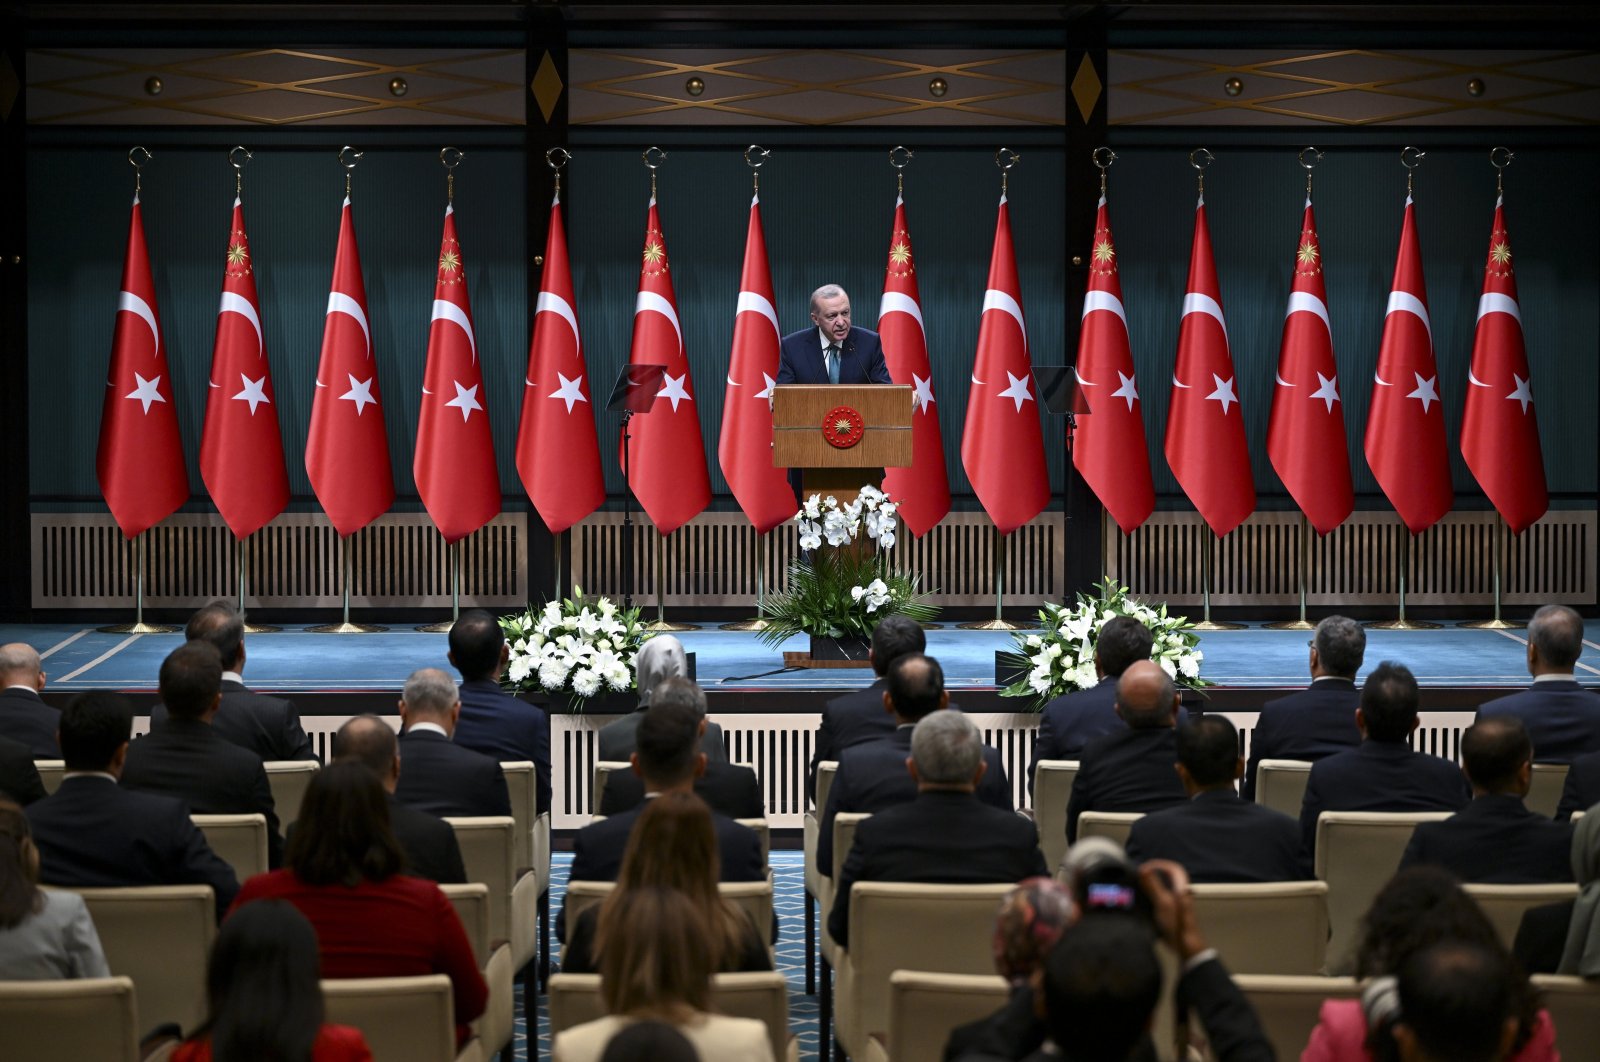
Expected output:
(577, 647)
(1061, 658)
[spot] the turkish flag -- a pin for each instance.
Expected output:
(1405, 442)
(666, 460)
(1205, 443)
(241, 452)
(347, 449)
(558, 453)
(1305, 435)
(454, 461)
(1002, 446)
(923, 489)
(1499, 429)
(140, 459)
(744, 450)
(1109, 448)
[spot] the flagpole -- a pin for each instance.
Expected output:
(138, 626)
(759, 623)
(1401, 623)
(345, 626)
(999, 623)
(1301, 624)
(1497, 623)
(661, 623)
(443, 626)
(241, 554)
(1207, 623)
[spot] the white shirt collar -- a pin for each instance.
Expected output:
(827, 341)
(107, 775)
(22, 686)
(233, 676)
(1568, 677)
(432, 727)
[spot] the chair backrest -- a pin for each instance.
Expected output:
(488, 851)
(1574, 1006)
(471, 902)
(1114, 825)
(239, 841)
(1576, 815)
(1280, 927)
(755, 898)
(1288, 1007)
(289, 780)
(924, 1007)
(160, 936)
(1357, 852)
(844, 836)
(1052, 788)
(1281, 785)
(575, 999)
(95, 1019)
(603, 769)
(764, 832)
(1506, 904)
(1544, 794)
(826, 770)
(522, 781)
(50, 773)
(401, 1017)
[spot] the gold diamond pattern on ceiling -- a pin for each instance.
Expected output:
(649, 87)
(1353, 87)
(275, 86)
(547, 86)
(1086, 86)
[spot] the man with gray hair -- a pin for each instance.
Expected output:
(945, 835)
(441, 777)
(1320, 720)
(833, 350)
(24, 717)
(1563, 718)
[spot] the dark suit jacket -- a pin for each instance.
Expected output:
(873, 776)
(506, 728)
(19, 778)
(1128, 770)
(860, 358)
(267, 726)
(1072, 722)
(1542, 936)
(1380, 776)
(93, 833)
(1219, 837)
(1582, 789)
(729, 789)
(442, 778)
(939, 837)
(26, 718)
(1563, 719)
(619, 738)
(847, 721)
(189, 760)
(1311, 725)
(430, 844)
(1495, 840)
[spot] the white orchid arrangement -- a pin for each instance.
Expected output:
(825, 520)
(576, 647)
(1060, 659)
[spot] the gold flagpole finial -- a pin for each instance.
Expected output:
(1005, 158)
(450, 158)
(1316, 157)
(238, 169)
(1411, 158)
(349, 165)
(138, 166)
(557, 158)
(900, 157)
(1500, 158)
(653, 162)
(1103, 157)
(755, 156)
(1201, 159)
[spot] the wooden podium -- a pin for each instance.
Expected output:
(876, 416)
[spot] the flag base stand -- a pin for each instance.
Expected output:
(1219, 625)
(756, 624)
(249, 628)
(1300, 624)
(1495, 623)
(443, 626)
(345, 626)
(1206, 622)
(1400, 623)
(139, 627)
(995, 624)
(661, 624)
(1290, 625)
(999, 623)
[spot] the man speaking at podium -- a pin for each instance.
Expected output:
(834, 351)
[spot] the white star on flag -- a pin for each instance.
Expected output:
(1127, 391)
(466, 400)
(1018, 391)
(360, 393)
(1328, 392)
(255, 392)
(1523, 393)
(570, 391)
(1223, 393)
(674, 390)
(147, 391)
(1427, 390)
(766, 392)
(923, 392)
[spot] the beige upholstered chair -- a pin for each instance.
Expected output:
(402, 1018)
(1114, 825)
(50, 773)
(1574, 1006)
(160, 936)
(1280, 927)
(603, 769)
(288, 780)
(924, 1007)
(1281, 785)
(532, 839)
(575, 999)
(817, 883)
(1576, 815)
(1288, 1006)
(764, 832)
(1052, 788)
(1357, 852)
(1544, 795)
(1506, 904)
(755, 898)
(497, 1025)
(488, 849)
(46, 1021)
(239, 841)
(844, 836)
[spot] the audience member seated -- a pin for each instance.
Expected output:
(441, 777)
(346, 873)
(1452, 1003)
(1131, 769)
(186, 758)
(650, 1041)
(668, 759)
(492, 721)
(655, 965)
(1496, 839)
(19, 775)
(1582, 788)
(1320, 720)
(264, 994)
(872, 775)
(1565, 937)
(1217, 836)
(1382, 773)
(428, 841)
(673, 846)
(944, 834)
(730, 789)
(852, 718)
(660, 658)
(1032, 918)
(93, 833)
(44, 936)
(1563, 718)
(1417, 909)
(267, 726)
(24, 717)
